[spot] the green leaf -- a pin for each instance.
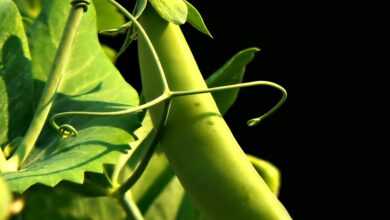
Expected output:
(269, 172)
(139, 8)
(174, 11)
(5, 200)
(231, 72)
(187, 211)
(108, 16)
(167, 204)
(131, 33)
(29, 8)
(110, 53)
(152, 182)
(196, 20)
(16, 85)
(159, 194)
(61, 204)
(91, 83)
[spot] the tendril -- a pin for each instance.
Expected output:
(133, 110)
(139, 170)
(250, 122)
(113, 31)
(66, 130)
(131, 33)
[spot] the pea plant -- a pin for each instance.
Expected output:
(78, 142)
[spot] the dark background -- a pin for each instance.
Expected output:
(292, 55)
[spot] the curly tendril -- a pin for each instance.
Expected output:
(67, 130)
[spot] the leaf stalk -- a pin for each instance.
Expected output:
(61, 60)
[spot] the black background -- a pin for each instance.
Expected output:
(291, 53)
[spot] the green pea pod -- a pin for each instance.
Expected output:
(197, 141)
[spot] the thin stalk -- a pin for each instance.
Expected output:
(68, 128)
(148, 42)
(56, 74)
(253, 121)
(141, 133)
(130, 207)
(139, 170)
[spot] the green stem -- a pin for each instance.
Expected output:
(168, 95)
(155, 135)
(253, 121)
(45, 103)
(132, 210)
(141, 133)
(66, 128)
(148, 42)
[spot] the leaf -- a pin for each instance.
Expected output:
(61, 204)
(29, 8)
(139, 8)
(110, 53)
(174, 11)
(152, 182)
(231, 72)
(196, 20)
(159, 194)
(5, 200)
(91, 83)
(167, 204)
(108, 16)
(269, 172)
(131, 33)
(16, 85)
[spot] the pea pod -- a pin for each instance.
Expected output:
(197, 141)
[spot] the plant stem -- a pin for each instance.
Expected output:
(130, 207)
(148, 43)
(46, 101)
(153, 137)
